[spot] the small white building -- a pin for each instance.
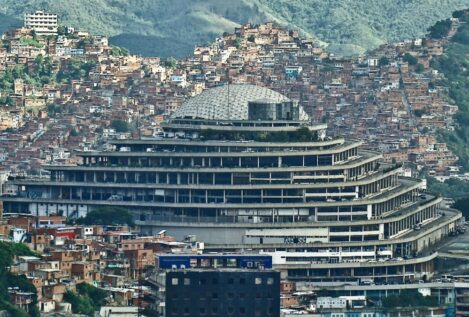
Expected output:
(18, 234)
(46, 305)
(331, 302)
(121, 311)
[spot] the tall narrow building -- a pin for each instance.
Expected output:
(43, 23)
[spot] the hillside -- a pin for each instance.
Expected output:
(355, 26)
(454, 64)
(148, 27)
(152, 27)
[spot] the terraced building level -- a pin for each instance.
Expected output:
(242, 168)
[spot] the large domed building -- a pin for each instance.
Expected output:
(242, 167)
(229, 102)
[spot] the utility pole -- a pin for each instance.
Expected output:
(140, 292)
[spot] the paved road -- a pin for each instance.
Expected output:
(408, 106)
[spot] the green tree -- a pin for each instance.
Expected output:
(463, 206)
(454, 66)
(409, 298)
(452, 188)
(440, 29)
(87, 299)
(97, 295)
(170, 63)
(6, 100)
(62, 30)
(237, 43)
(80, 304)
(31, 41)
(53, 109)
(458, 14)
(383, 61)
(84, 42)
(120, 126)
(75, 69)
(7, 252)
(119, 51)
(412, 60)
(107, 216)
(74, 132)
(420, 68)
(419, 112)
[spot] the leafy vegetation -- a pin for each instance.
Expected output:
(107, 216)
(6, 100)
(152, 27)
(440, 29)
(87, 299)
(409, 298)
(300, 135)
(452, 188)
(412, 60)
(53, 109)
(41, 72)
(463, 206)
(74, 70)
(383, 61)
(31, 42)
(120, 126)
(8, 22)
(420, 68)
(119, 51)
(419, 112)
(362, 24)
(454, 65)
(7, 252)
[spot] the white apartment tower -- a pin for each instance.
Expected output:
(43, 23)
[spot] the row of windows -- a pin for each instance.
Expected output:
(214, 296)
(214, 162)
(373, 227)
(194, 196)
(214, 281)
(211, 178)
(231, 148)
(231, 311)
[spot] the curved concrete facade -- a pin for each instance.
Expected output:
(251, 184)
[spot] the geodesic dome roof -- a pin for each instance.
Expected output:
(228, 102)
